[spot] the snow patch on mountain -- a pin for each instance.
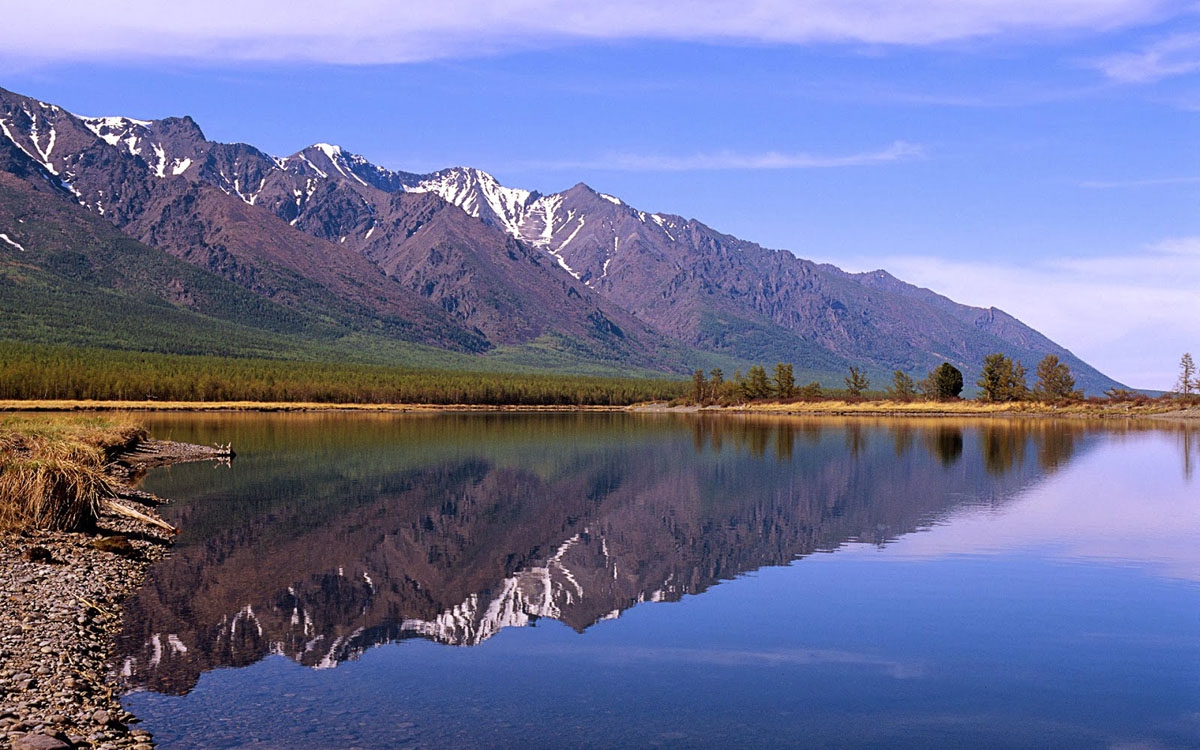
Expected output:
(160, 167)
(339, 160)
(314, 167)
(9, 135)
(12, 242)
(112, 130)
(567, 241)
(133, 134)
(331, 151)
(538, 224)
(43, 152)
(479, 194)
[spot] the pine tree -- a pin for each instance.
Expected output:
(856, 382)
(943, 383)
(699, 387)
(1187, 376)
(757, 385)
(785, 382)
(903, 388)
(1054, 381)
(1002, 379)
(718, 388)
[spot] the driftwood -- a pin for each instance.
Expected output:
(166, 452)
(141, 497)
(120, 509)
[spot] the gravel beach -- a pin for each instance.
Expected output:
(60, 609)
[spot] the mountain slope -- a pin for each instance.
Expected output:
(457, 267)
(456, 260)
(69, 277)
(718, 293)
(222, 233)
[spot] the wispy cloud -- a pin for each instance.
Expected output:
(729, 160)
(383, 31)
(1131, 315)
(1175, 55)
(1157, 182)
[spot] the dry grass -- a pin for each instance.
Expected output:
(50, 493)
(961, 408)
(885, 407)
(53, 468)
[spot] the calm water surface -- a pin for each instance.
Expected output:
(626, 581)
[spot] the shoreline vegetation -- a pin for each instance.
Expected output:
(75, 540)
(50, 378)
(1149, 407)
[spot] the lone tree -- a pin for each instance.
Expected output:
(856, 382)
(785, 382)
(1054, 381)
(1187, 376)
(943, 382)
(1002, 379)
(903, 388)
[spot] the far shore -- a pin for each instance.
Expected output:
(964, 408)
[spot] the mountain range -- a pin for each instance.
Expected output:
(144, 234)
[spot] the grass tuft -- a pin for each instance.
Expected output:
(52, 469)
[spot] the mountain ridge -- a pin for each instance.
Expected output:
(455, 259)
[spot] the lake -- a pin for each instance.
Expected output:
(625, 580)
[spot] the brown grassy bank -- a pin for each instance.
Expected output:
(833, 407)
(54, 470)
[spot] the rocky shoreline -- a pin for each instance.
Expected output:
(60, 611)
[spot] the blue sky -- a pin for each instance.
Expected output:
(1042, 157)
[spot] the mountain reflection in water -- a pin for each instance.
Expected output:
(333, 533)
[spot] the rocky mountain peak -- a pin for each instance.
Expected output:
(483, 264)
(479, 194)
(331, 161)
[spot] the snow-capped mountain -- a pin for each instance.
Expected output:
(476, 264)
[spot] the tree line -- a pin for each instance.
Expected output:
(755, 384)
(29, 371)
(1002, 379)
